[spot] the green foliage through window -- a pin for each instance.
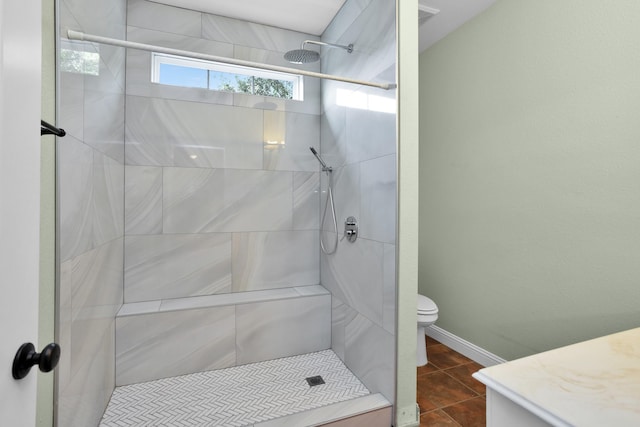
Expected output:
(261, 86)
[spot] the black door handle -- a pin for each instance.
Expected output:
(26, 357)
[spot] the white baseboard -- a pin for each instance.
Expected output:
(472, 351)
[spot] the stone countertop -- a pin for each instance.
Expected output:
(593, 383)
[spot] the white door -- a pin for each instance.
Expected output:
(20, 80)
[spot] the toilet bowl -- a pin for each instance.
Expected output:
(427, 316)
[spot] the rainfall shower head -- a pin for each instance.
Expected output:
(325, 168)
(305, 56)
(302, 56)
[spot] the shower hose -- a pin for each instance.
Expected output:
(324, 216)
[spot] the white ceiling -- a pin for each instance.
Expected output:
(313, 16)
(306, 16)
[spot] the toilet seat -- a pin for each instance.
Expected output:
(426, 305)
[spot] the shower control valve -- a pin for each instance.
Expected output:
(351, 229)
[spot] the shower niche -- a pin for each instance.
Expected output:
(189, 241)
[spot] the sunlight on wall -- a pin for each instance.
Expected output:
(365, 101)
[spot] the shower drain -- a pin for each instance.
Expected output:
(313, 381)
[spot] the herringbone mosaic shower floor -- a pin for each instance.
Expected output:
(238, 396)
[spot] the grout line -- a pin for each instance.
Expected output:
(462, 401)
(460, 382)
(456, 424)
(452, 419)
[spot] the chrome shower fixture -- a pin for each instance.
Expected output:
(329, 202)
(304, 56)
(325, 168)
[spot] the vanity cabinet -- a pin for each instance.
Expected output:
(595, 383)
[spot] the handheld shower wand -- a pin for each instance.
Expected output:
(325, 168)
(329, 201)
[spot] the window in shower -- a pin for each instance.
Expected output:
(187, 72)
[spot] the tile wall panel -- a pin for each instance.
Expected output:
(377, 200)
(143, 200)
(370, 134)
(273, 329)
(96, 280)
(374, 50)
(389, 289)
(355, 276)
(244, 33)
(90, 186)
(104, 123)
(333, 127)
(306, 200)
(175, 266)
(193, 199)
(360, 142)
(349, 12)
(75, 193)
(258, 200)
(341, 315)
(71, 100)
(226, 200)
(174, 343)
(108, 198)
(162, 132)
(269, 260)
(298, 132)
(362, 338)
(101, 18)
(156, 16)
(92, 375)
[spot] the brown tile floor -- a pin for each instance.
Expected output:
(447, 393)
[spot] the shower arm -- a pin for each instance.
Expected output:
(348, 48)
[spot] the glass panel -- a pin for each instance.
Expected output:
(182, 76)
(78, 61)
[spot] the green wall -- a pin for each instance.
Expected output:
(46, 315)
(530, 174)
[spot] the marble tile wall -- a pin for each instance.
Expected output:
(211, 208)
(358, 138)
(192, 339)
(174, 343)
(90, 168)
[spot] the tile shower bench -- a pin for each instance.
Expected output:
(165, 338)
(593, 383)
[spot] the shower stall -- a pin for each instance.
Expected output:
(190, 219)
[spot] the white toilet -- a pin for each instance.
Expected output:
(427, 316)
